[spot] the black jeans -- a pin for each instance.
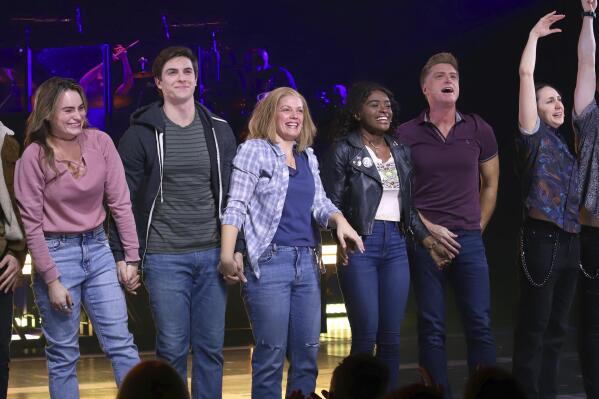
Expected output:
(588, 329)
(5, 335)
(548, 260)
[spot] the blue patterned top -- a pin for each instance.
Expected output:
(549, 175)
(257, 192)
(586, 126)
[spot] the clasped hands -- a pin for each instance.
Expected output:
(441, 244)
(232, 269)
(128, 275)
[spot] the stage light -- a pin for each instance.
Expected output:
(336, 309)
(28, 337)
(329, 254)
(27, 266)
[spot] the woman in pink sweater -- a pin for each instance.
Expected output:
(65, 176)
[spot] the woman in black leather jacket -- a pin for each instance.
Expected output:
(367, 176)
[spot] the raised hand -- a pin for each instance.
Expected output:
(543, 27)
(119, 52)
(589, 5)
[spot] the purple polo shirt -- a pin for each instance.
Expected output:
(446, 177)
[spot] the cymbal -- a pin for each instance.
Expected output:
(142, 75)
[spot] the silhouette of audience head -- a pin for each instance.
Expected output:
(415, 391)
(153, 379)
(493, 383)
(359, 376)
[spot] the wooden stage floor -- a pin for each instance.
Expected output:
(28, 377)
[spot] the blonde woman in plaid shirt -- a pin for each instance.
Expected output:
(276, 196)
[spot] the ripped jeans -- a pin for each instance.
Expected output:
(284, 309)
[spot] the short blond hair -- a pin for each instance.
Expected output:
(439, 58)
(262, 124)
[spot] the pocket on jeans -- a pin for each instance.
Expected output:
(101, 238)
(266, 256)
(53, 244)
(538, 253)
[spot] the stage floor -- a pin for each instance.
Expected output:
(28, 377)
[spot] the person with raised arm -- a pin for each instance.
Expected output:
(549, 246)
(586, 125)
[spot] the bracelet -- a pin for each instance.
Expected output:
(591, 14)
(134, 264)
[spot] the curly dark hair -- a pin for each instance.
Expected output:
(356, 97)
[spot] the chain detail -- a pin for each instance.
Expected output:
(587, 274)
(525, 267)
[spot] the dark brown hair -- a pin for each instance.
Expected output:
(168, 54)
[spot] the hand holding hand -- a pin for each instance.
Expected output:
(232, 268)
(128, 276)
(444, 237)
(10, 275)
(543, 27)
(133, 279)
(232, 279)
(349, 240)
(440, 254)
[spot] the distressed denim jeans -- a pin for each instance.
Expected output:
(284, 309)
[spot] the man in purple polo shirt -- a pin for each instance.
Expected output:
(456, 172)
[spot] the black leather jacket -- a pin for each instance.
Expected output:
(357, 189)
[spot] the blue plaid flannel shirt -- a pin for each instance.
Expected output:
(257, 193)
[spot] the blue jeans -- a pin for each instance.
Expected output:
(87, 270)
(188, 298)
(469, 275)
(375, 286)
(284, 310)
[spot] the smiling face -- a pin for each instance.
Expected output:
(442, 85)
(289, 117)
(375, 114)
(177, 81)
(69, 116)
(550, 106)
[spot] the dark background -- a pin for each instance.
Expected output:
(330, 41)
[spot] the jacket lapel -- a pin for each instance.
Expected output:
(362, 161)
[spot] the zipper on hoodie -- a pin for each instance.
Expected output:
(220, 179)
(160, 149)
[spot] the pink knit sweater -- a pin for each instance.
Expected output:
(59, 203)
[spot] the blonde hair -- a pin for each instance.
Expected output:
(439, 58)
(263, 124)
(37, 128)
